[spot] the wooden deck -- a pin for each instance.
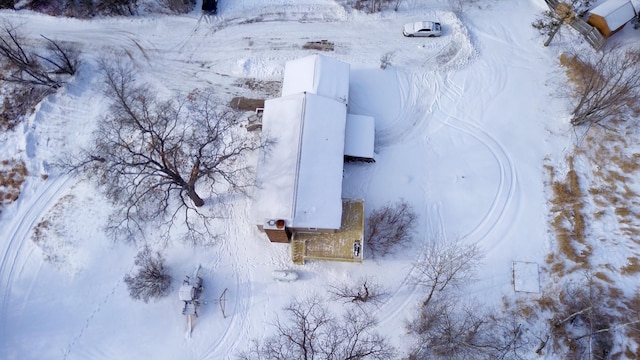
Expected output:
(338, 246)
(590, 33)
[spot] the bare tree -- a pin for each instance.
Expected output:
(445, 264)
(150, 155)
(605, 87)
(448, 329)
(385, 59)
(152, 280)
(550, 21)
(389, 227)
(63, 58)
(313, 333)
(37, 68)
(364, 291)
(590, 320)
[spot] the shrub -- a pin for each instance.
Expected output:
(152, 279)
(389, 227)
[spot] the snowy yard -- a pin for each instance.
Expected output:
(469, 131)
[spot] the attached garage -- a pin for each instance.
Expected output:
(317, 74)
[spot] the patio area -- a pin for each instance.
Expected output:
(346, 244)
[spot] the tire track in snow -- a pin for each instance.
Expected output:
(28, 212)
(236, 321)
(507, 183)
(238, 316)
(407, 294)
(413, 119)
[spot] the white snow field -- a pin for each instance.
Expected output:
(464, 126)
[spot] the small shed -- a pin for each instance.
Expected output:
(317, 74)
(611, 16)
(299, 176)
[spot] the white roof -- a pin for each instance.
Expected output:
(317, 74)
(186, 292)
(615, 12)
(299, 178)
(360, 136)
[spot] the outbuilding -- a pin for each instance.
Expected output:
(611, 16)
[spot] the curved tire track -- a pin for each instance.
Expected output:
(28, 212)
(407, 294)
(507, 183)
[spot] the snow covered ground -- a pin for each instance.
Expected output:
(465, 124)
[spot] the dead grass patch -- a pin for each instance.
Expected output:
(622, 211)
(576, 70)
(51, 236)
(547, 303)
(633, 232)
(614, 176)
(604, 277)
(568, 221)
(13, 174)
(632, 267)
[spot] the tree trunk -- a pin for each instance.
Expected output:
(552, 34)
(197, 200)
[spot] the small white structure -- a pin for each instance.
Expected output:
(611, 16)
(285, 275)
(526, 277)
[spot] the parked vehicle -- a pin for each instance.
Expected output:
(422, 28)
(210, 6)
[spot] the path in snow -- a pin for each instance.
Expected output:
(507, 178)
(424, 114)
(17, 234)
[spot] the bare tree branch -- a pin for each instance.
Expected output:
(605, 87)
(389, 228)
(362, 292)
(156, 157)
(152, 279)
(311, 332)
(454, 329)
(27, 64)
(445, 264)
